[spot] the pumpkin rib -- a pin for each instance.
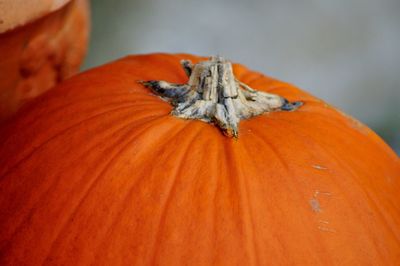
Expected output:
(334, 124)
(153, 126)
(244, 202)
(33, 119)
(174, 174)
(222, 181)
(215, 167)
(258, 138)
(290, 177)
(166, 209)
(55, 181)
(372, 202)
(332, 117)
(61, 109)
(61, 133)
(213, 210)
(360, 133)
(359, 185)
(41, 198)
(251, 78)
(101, 174)
(369, 198)
(338, 161)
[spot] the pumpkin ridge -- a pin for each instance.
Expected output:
(305, 135)
(214, 172)
(303, 197)
(364, 192)
(48, 97)
(257, 140)
(37, 147)
(50, 187)
(183, 151)
(197, 128)
(290, 173)
(102, 173)
(368, 195)
(78, 104)
(329, 115)
(244, 184)
(209, 236)
(363, 132)
(235, 182)
(89, 149)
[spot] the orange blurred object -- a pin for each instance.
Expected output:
(41, 43)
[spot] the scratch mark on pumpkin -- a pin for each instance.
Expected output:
(317, 193)
(319, 167)
(323, 225)
(326, 229)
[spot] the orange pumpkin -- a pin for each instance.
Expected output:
(97, 171)
(41, 43)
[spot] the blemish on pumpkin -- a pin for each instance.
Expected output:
(317, 193)
(315, 206)
(323, 225)
(319, 167)
(326, 229)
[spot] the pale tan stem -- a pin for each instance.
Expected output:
(213, 94)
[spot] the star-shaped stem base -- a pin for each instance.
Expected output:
(213, 94)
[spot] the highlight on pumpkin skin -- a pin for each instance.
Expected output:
(214, 95)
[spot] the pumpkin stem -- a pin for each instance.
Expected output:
(213, 94)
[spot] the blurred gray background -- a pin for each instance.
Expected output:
(346, 52)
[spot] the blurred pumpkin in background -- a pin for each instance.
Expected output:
(107, 174)
(41, 43)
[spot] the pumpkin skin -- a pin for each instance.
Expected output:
(97, 171)
(37, 55)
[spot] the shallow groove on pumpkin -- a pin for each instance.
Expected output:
(174, 175)
(44, 195)
(123, 146)
(289, 183)
(37, 147)
(240, 186)
(124, 206)
(264, 199)
(91, 104)
(343, 164)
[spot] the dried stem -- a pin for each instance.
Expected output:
(213, 94)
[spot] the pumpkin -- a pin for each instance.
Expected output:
(41, 43)
(99, 171)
